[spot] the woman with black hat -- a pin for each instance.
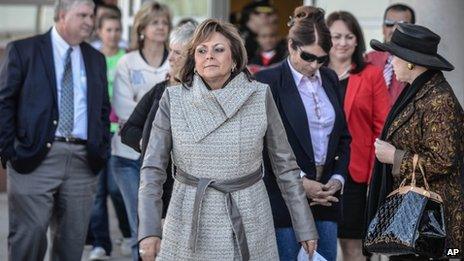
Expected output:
(427, 120)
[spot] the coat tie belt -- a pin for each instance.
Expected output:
(226, 187)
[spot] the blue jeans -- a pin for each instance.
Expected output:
(127, 175)
(289, 247)
(99, 234)
(286, 244)
(327, 243)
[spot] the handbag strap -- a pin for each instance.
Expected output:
(426, 184)
(415, 163)
(415, 159)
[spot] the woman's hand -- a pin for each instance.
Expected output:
(309, 246)
(384, 151)
(149, 248)
(315, 191)
(312, 188)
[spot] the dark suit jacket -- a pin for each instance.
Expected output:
(295, 121)
(29, 108)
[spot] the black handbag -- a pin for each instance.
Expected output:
(410, 221)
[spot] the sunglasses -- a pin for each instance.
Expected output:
(309, 57)
(391, 23)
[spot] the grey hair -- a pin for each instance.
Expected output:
(182, 34)
(65, 5)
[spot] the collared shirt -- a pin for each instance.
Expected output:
(60, 47)
(319, 112)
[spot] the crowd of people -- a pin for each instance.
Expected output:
(217, 141)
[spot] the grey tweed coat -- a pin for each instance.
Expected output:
(220, 135)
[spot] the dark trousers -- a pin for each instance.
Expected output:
(99, 233)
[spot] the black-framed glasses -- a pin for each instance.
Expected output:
(391, 23)
(309, 57)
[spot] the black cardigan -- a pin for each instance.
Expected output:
(138, 127)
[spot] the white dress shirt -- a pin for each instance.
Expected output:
(60, 47)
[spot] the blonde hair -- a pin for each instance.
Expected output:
(144, 16)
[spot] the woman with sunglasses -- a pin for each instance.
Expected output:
(308, 100)
(366, 103)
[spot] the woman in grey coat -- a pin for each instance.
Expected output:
(214, 127)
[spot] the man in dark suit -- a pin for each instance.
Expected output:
(54, 134)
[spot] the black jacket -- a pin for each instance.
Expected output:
(29, 108)
(138, 127)
(249, 39)
(281, 53)
(293, 114)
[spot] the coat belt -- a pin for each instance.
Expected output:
(226, 187)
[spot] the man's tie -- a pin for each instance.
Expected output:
(66, 109)
(388, 71)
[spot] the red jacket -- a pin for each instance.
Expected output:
(379, 59)
(366, 107)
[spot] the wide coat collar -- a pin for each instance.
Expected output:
(205, 110)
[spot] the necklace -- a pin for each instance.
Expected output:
(345, 74)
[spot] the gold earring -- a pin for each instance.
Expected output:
(233, 67)
(194, 70)
(411, 66)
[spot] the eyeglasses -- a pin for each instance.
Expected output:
(309, 57)
(391, 23)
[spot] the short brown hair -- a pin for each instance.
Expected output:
(144, 16)
(105, 17)
(203, 32)
(308, 26)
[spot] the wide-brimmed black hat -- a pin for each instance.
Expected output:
(415, 44)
